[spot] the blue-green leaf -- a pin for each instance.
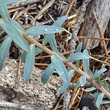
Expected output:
(38, 51)
(85, 62)
(6, 2)
(60, 68)
(79, 47)
(44, 29)
(29, 63)
(90, 89)
(14, 34)
(82, 80)
(23, 56)
(60, 21)
(62, 55)
(47, 73)
(99, 99)
(105, 85)
(90, 73)
(46, 38)
(4, 50)
(17, 25)
(77, 56)
(99, 72)
(4, 13)
(53, 44)
(96, 94)
(78, 84)
(50, 38)
(105, 102)
(66, 84)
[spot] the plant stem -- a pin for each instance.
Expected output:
(72, 66)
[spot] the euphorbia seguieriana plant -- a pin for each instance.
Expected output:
(20, 36)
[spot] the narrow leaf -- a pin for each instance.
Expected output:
(90, 89)
(6, 2)
(49, 37)
(62, 55)
(60, 68)
(105, 84)
(46, 38)
(78, 84)
(23, 56)
(105, 102)
(66, 84)
(47, 73)
(38, 51)
(82, 80)
(96, 94)
(98, 81)
(99, 99)
(29, 63)
(53, 44)
(45, 29)
(4, 13)
(77, 56)
(14, 34)
(90, 73)
(60, 21)
(4, 50)
(17, 25)
(99, 72)
(85, 62)
(79, 47)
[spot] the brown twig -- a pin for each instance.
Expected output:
(70, 7)
(45, 8)
(19, 66)
(22, 12)
(47, 56)
(77, 93)
(95, 38)
(22, 3)
(40, 64)
(58, 102)
(101, 33)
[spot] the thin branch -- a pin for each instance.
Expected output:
(101, 33)
(95, 38)
(22, 3)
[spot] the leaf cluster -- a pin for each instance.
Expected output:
(17, 34)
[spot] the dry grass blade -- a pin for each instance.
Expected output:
(45, 8)
(95, 38)
(101, 34)
(70, 7)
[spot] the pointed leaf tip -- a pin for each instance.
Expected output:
(29, 62)
(60, 68)
(14, 34)
(4, 50)
(47, 73)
